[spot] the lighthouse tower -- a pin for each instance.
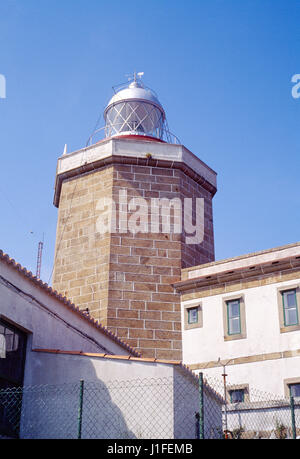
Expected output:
(134, 208)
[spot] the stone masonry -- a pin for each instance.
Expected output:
(124, 279)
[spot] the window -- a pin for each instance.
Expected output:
(193, 316)
(234, 318)
(288, 308)
(294, 389)
(289, 301)
(233, 315)
(237, 395)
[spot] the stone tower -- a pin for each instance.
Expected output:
(134, 209)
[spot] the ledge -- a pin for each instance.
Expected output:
(133, 152)
(244, 273)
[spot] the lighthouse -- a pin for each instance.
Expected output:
(134, 208)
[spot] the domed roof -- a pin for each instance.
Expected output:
(135, 91)
(134, 110)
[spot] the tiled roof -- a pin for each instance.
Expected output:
(28, 274)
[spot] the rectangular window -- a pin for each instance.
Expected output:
(234, 317)
(237, 396)
(192, 315)
(290, 310)
(295, 389)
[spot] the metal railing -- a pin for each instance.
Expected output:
(107, 132)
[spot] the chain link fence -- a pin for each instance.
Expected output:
(160, 408)
(135, 409)
(248, 413)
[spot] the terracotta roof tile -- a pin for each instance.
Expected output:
(110, 356)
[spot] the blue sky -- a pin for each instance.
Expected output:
(222, 70)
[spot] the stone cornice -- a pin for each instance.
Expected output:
(246, 259)
(136, 153)
(246, 359)
(245, 274)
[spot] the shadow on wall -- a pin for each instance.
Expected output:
(148, 404)
(102, 418)
(72, 410)
(187, 406)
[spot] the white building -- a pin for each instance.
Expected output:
(244, 313)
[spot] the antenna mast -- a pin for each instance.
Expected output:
(39, 259)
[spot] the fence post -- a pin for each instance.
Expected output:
(201, 407)
(292, 405)
(80, 408)
(197, 426)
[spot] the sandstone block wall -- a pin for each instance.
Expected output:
(123, 278)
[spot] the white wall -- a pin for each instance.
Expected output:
(206, 344)
(263, 418)
(122, 399)
(264, 378)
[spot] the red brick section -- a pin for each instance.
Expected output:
(125, 279)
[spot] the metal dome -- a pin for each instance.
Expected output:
(134, 110)
(135, 90)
